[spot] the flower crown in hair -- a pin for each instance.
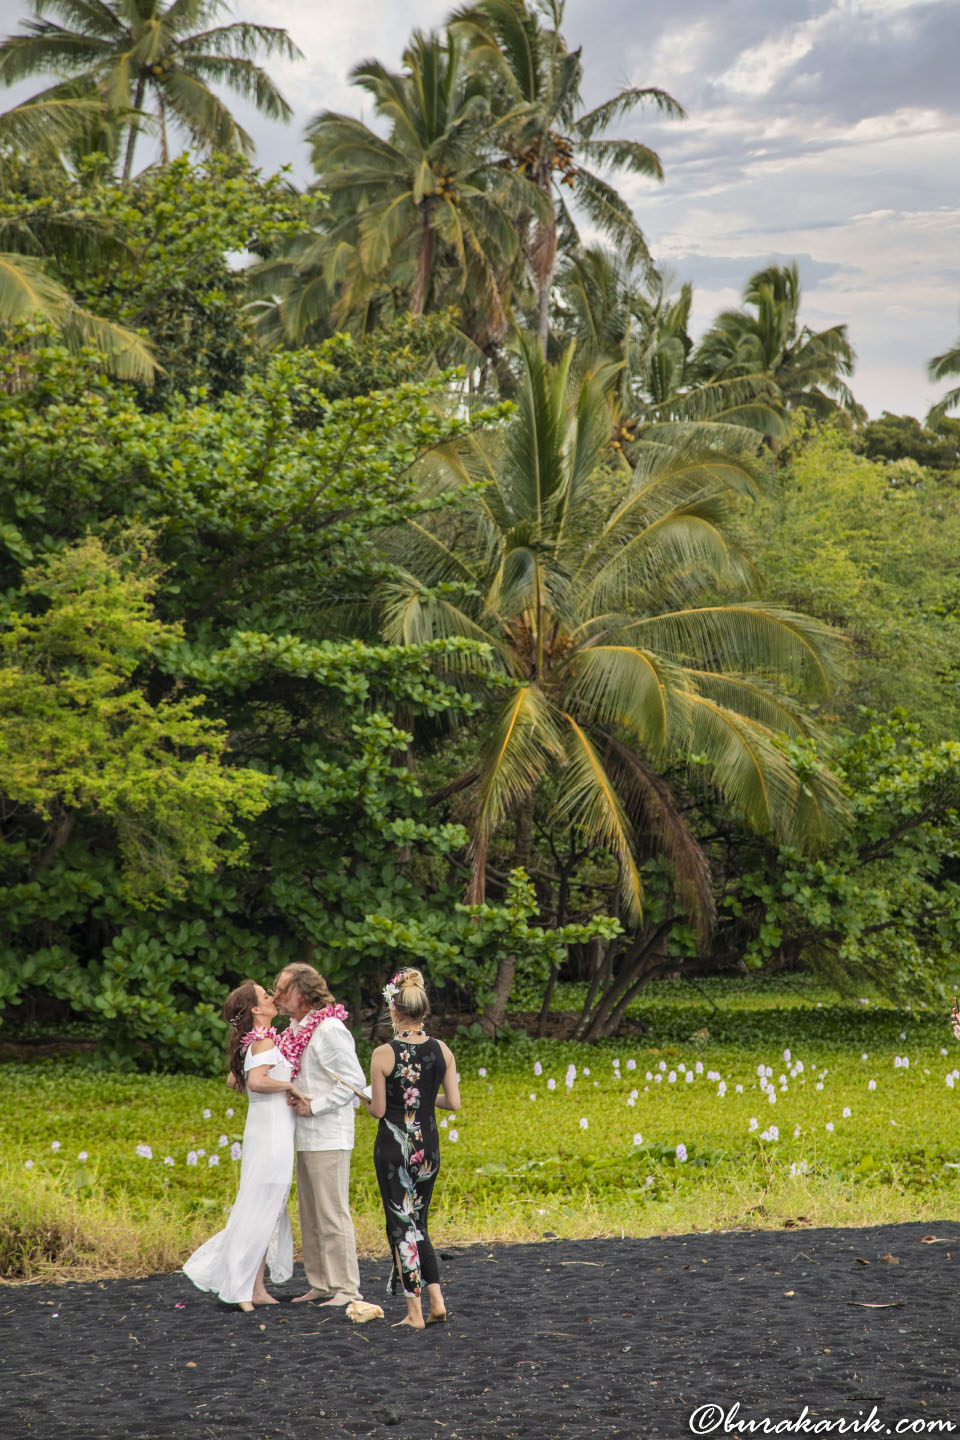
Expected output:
(392, 987)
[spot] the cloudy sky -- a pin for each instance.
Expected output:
(822, 130)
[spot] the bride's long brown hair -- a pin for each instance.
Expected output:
(238, 1012)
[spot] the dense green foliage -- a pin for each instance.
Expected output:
(310, 639)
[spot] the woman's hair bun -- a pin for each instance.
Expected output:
(411, 995)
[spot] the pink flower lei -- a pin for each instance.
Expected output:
(259, 1032)
(292, 1046)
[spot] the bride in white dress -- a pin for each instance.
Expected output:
(257, 1233)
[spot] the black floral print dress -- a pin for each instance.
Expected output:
(406, 1156)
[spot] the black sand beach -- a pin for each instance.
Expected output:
(612, 1339)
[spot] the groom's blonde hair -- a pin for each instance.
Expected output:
(313, 989)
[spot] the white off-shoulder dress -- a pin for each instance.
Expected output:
(258, 1224)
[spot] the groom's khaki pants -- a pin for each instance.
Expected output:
(326, 1229)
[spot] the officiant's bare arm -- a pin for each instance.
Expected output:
(382, 1062)
(448, 1097)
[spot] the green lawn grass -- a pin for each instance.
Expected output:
(524, 1159)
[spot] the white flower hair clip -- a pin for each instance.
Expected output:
(392, 987)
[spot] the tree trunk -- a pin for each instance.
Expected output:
(591, 1026)
(495, 1013)
(543, 262)
(424, 265)
(134, 126)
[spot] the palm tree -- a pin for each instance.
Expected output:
(617, 316)
(808, 368)
(429, 186)
(938, 369)
(122, 53)
(598, 598)
(29, 295)
(545, 135)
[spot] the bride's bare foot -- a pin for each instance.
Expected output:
(410, 1324)
(264, 1298)
(310, 1295)
(245, 1305)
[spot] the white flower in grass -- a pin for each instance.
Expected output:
(482, 1071)
(631, 1065)
(191, 1157)
(584, 1123)
(681, 1153)
(537, 1068)
(206, 1114)
(681, 1067)
(631, 1100)
(772, 1097)
(570, 1076)
(774, 1133)
(649, 1074)
(672, 1078)
(829, 1127)
(236, 1150)
(950, 1081)
(796, 1132)
(224, 1140)
(658, 1078)
(722, 1088)
(662, 1065)
(698, 1068)
(551, 1084)
(783, 1079)
(906, 1062)
(871, 1084)
(956, 1074)
(82, 1156)
(533, 1095)
(846, 1112)
(586, 1068)
(761, 1071)
(819, 1084)
(214, 1160)
(753, 1123)
(799, 1167)
(168, 1159)
(943, 1050)
(145, 1152)
(865, 1056)
(28, 1164)
(739, 1090)
(230, 1114)
(689, 1077)
(648, 1182)
(444, 1123)
(799, 1067)
(615, 1062)
(200, 1154)
(453, 1137)
(903, 1035)
(638, 1138)
(893, 1122)
(786, 1057)
(897, 1062)
(55, 1146)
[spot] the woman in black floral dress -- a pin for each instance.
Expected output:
(408, 1078)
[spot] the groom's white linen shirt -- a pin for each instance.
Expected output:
(330, 1126)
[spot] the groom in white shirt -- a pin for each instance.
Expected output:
(324, 1134)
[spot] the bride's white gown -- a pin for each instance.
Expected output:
(258, 1223)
